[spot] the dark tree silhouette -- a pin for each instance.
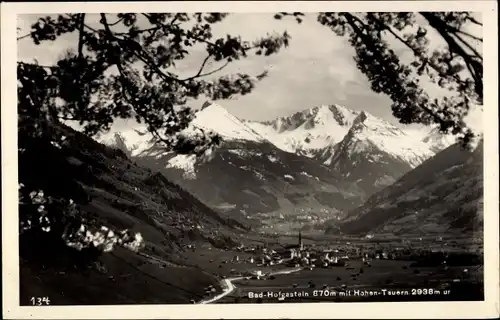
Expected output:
(457, 65)
(123, 68)
(126, 69)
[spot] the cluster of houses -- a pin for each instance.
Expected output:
(298, 255)
(310, 257)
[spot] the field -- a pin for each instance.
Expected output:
(325, 284)
(125, 278)
(217, 261)
(130, 278)
(148, 278)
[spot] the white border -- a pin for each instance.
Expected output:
(489, 308)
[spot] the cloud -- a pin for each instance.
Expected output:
(317, 68)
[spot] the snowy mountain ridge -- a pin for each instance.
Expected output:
(210, 118)
(368, 131)
(317, 133)
(324, 159)
(308, 131)
(217, 119)
(132, 142)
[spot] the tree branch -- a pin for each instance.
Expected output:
(473, 20)
(174, 19)
(202, 66)
(25, 36)
(455, 31)
(164, 27)
(116, 22)
(37, 65)
(139, 52)
(417, 53)
(468, 35)
(355, 19)
(468, 45)
(139, 31)
(211, 72)
(124, 86)
(80, 38)
(474, 67)
(199, 74)
(359, 33)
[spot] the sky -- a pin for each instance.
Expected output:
(317, 68)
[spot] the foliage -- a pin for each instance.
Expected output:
(123, 68)
(53, 230)
(456, 66)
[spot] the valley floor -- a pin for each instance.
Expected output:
(131, 278)
(384, 281)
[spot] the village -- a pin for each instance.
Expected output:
(336, 266)
(259, 260)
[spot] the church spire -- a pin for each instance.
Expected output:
(300, 241)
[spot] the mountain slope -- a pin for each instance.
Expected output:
(441, 196)
(307, 132)
(215, 118)
(374, 154)
(116, 193)
(325, 159)
(361, 149)
(249, 176)
(131, 142)
(259, 178)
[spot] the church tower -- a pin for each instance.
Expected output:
(301, 245)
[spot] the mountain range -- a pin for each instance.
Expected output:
(316, 164)
(444, 195)
(186, 207)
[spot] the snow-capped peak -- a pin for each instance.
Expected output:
(365, 123)
(326, 115)
(343, 115)
(213, 117)
(368, 132)
(438, 141)
(312, 117)
(131, 141)
(308, 131)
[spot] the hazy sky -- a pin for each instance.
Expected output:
(317, 68)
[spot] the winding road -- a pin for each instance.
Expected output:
(229, 287)
(226, 284)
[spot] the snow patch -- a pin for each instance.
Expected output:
(185, 163)
(309, 176)
(131, 140)
(306, 174)
(312, 130)
(272, 159)
(369, 132)
(245, 153)
(215, 118)
(238, 152)
(259, 175)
